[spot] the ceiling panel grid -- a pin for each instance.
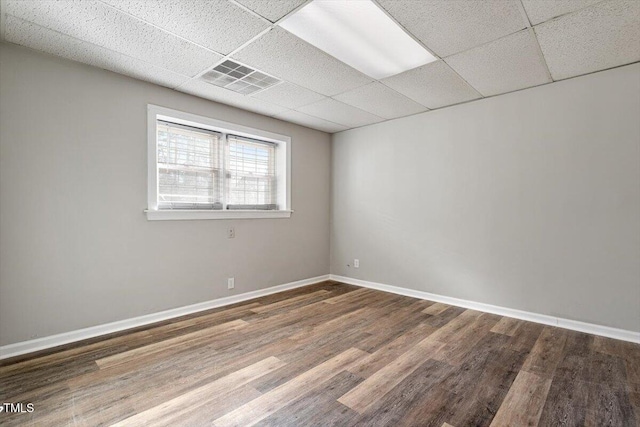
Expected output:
(484, 48)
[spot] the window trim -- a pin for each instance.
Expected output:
(283, 159)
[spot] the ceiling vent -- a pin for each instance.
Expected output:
(239, 78)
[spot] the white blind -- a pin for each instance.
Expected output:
(189, 167)
(251, 174)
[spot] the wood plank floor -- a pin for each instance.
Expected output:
(331, 354)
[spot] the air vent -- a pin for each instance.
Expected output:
(239, 78)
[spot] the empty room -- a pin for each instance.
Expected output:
(320, 213)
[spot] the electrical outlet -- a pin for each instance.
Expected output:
(356, 263)
(231, 233)
(231, 283)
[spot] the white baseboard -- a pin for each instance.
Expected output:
(38, 344)
(590, 328)
(31, 346)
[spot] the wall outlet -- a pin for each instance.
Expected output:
(231, 283)
(356, 263)
(231, 233)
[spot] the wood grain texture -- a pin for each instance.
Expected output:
(524, 403)
(294, 301)
(171, 345)
(198, 397)
(507, 326)
(376, 386)
(331, 354)
(270, 402)
(546, 353)
(436, 308)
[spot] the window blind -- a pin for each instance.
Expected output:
(189, 167)
(251, 174)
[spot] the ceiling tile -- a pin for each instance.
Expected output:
(289, 95)
(511, 63)
(337, 112)
(36, 37)
(378, 99)
(310, 121)
(286, 56)
(452, 26)
(272, 10)
(217, 25)
(97, 23)
(225, 96)
(434, 85)
(540, 11)
(602, 36)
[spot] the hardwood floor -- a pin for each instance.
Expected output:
(331, 354)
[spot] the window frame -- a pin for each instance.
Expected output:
(283, 162)
(216, 171)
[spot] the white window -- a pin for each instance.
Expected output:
(201, 168)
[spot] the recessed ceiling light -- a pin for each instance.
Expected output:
(359, 34)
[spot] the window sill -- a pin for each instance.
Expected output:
(181, 215)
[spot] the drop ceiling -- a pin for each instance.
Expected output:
(484, 48)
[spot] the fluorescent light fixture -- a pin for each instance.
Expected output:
(359, 34)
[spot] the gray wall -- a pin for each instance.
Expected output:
(529, 200)
(76, 249)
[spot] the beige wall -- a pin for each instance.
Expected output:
(76, 249)
(529, 200)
